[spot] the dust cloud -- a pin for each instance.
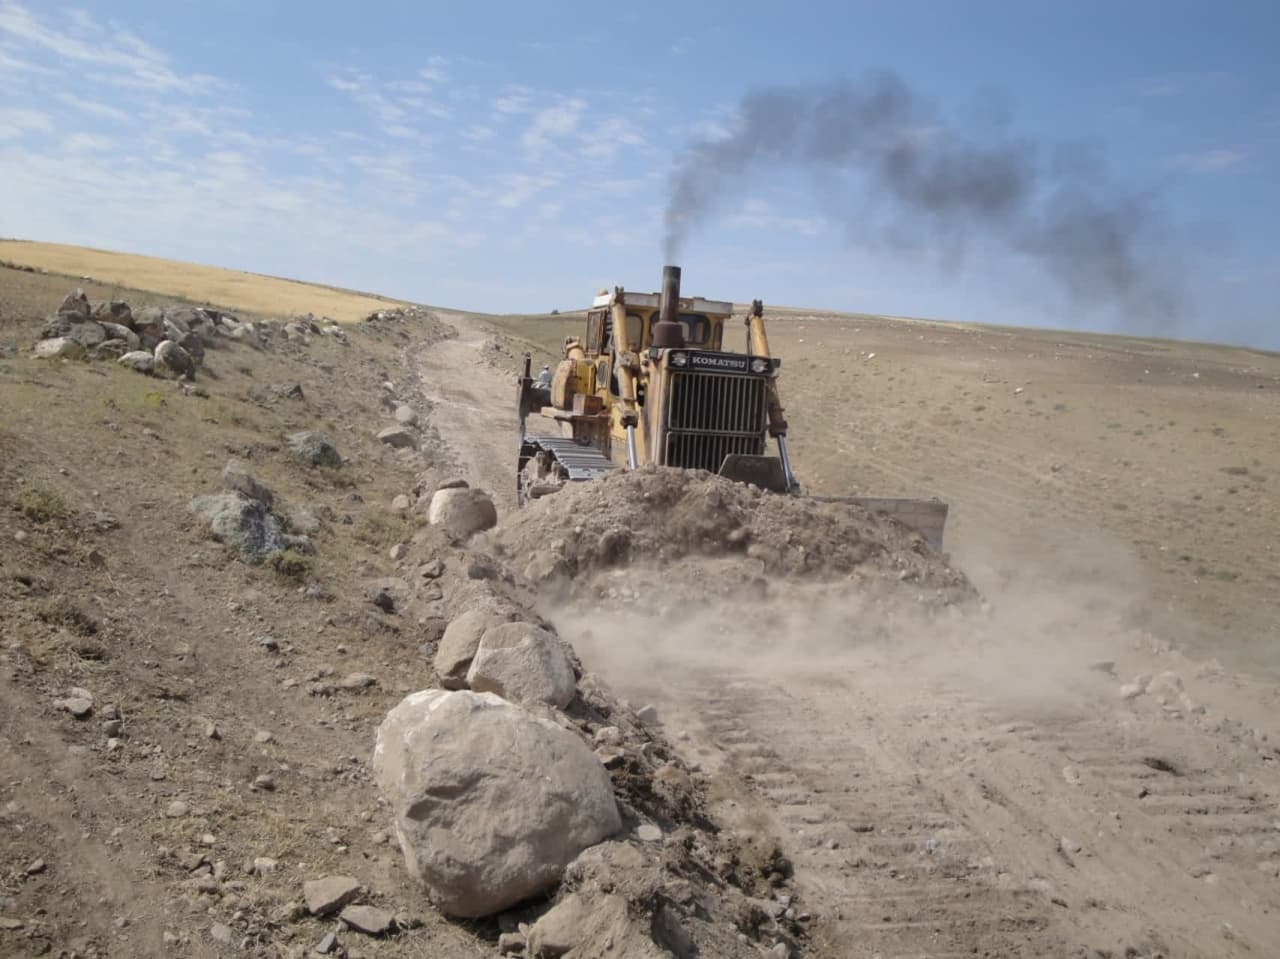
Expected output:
(889, 169)
(1030, 648)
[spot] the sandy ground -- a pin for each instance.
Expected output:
(985, 786)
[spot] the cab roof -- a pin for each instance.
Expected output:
(654, 300)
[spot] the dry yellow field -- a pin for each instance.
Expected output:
(233, 289)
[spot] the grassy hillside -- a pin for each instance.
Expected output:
(266, 295)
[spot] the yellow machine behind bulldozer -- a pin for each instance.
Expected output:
(651, 383)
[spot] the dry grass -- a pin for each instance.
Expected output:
(265, 295)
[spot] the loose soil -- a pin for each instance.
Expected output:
(950, 750)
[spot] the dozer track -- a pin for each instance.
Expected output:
(578, 461)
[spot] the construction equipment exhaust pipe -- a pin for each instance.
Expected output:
(668, 333)
(633, 461)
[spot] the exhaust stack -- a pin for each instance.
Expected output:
(669, 334)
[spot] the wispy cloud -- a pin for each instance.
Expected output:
(551, 124)
(122, 58)
(91, 107)
(1210, 161)
(18, 122)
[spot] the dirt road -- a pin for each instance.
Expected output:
(1047, 780)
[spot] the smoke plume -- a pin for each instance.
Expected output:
(922, 183)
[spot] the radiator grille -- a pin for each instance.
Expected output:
(712, 415)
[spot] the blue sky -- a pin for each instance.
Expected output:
(516, 157)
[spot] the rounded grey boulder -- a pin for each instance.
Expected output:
(314, 447)
(490, 802)
(173, 360)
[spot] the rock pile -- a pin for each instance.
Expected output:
(518, 775)
(169, 341)
(241, 517)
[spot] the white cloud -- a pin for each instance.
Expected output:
(517, 189)
(92, 107)
(604, 140)
(125, 59)
(18, 122)
(345, 84)
(1210, 161)
(552, 123)
(515, 99)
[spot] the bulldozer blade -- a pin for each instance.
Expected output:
(765, 472)
(926, 516)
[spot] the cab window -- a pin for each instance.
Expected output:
(697, 329)
(635, 332)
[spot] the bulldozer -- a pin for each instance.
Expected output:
(652, 383)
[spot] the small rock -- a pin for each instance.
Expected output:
(401, 504)
(398, 437)
(329, 894)
(367, 919)
(647, 715)
(1131, 691)
(237, 478)
(327, 944)
(263, 865)
(314, 447)
(781, 950)
(608, 736)
(222, 933)
(35, 868)
(648, 832)
(511, 943)
(398, 552)
(177, 809)
(1071, 774)
(263, 783)
(406, 416)
(211, 731)
(78, 706)
(262, 736)
(356, 681)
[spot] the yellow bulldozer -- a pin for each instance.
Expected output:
(651, 382)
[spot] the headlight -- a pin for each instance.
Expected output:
(759, 365)
(679, 359)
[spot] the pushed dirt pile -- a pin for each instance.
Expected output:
(667, 516)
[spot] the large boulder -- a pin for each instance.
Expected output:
(59, 347)
(88, 333)
(140, 361)
(243, 523)
(75, 304)
(461, 639)
(194, 346)
(173, 360)
(524, 664)
(114, 311)
(314, 447)
(118, 331)
(462, 511)
(490, 801)
(148, 323)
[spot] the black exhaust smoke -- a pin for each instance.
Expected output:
(888, 170)
(668, 333)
